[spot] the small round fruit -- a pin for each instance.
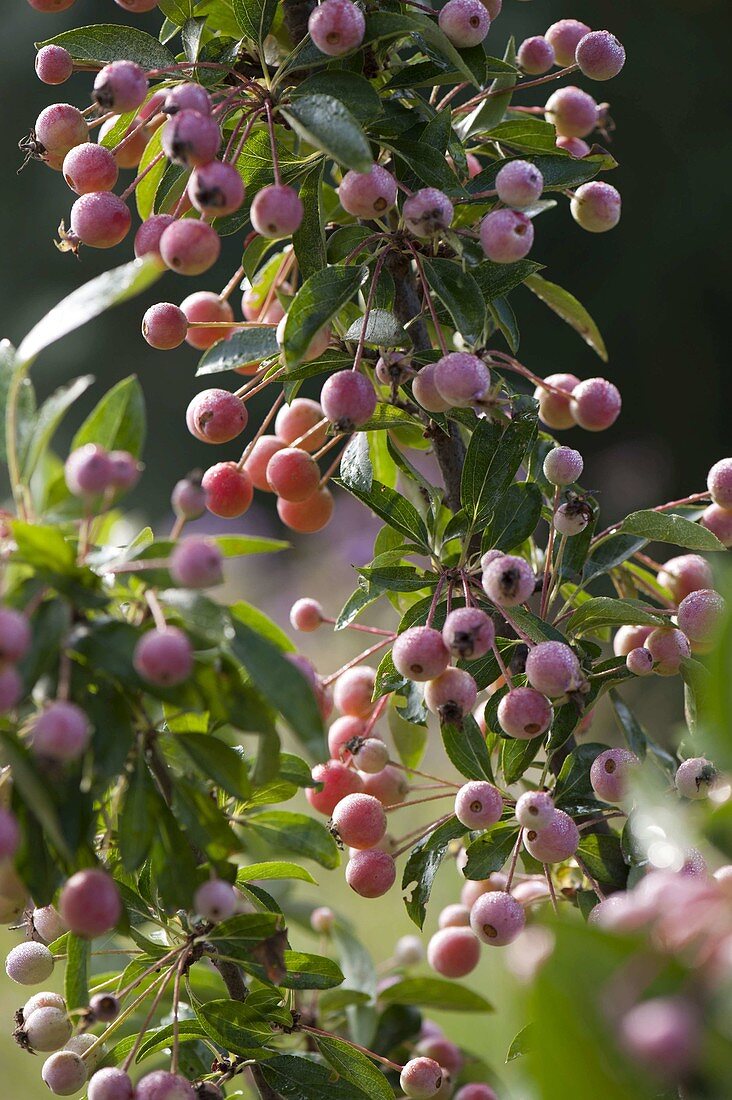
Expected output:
(337, 27)
(368, 194)
(216, 416)
(161, 1085)
(45, 999)
(191, 139)
(668, 647)
(120, 86)
(197, 563)
(104, 1007)
(451, 695)
(695, 778)
(187, 97)
(478, 805)
(421, 1078)
(164, 657)
(454, 951)
(600, 55)
(509, 581)
(11, 688)
(564, 37)
(371, 756)
(639, 661)
(506, 236)
(572, 518)
(461, 379)
(90, 904)
(277, 210)
(216, 189)
(298, 419)
(348, 400)
(700, 616)
(536, 55)
(353, 692)
(322, 920)
(215, 900)
(425, 391)
(205, 307)
(310, 515)
(454, 916)
(229, 490)
(344, 729)
(468, 633)
(628, 638)
(371, 873)
(110, 1083)
(147, 237)
(190, 247)
(525, 713)
(573, 112)
(719, 483)
(188, 497)
(164, 326)
(100, 219)
(662, 1034)
(553, 669)
(555, 842)
(535, 809)
(595, 404)
(464, 22)
(554, 408)
(61, 732)
(596, 206)
(390, 785)
(359, 820)
(519, 183)
(563, 466)
(29, 963)
(610, 772)
(497, 918)
(420, 653)
(60, 127)
(337, 781)
(306, 615)
(428, 212)
(64, 1073)
(9, 834)
(15, 634)
(54, 64)
(90, 167)
(47, 1029)
(719, 522)
(685, 574)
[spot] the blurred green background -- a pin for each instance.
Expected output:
(657, 286)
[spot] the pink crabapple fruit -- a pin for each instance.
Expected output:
(15, 634)
(216, 416)
(161, 1085)
(348, 400)
(359, 820)
(506, 236)
(719, 522)
(100, 219)
(497, 918)
(420, 1078)
(553, 669)
(639, 661)
(468, 633)
(662, 1034)
(191, 139)
(188, 497)
(88, 471)
(164, 657)
(596, 206)
(575, 146)
(258, 460)
(461, 379)
(573, 112)
(205, 306)
(572, 518)
(215, 900)
(408, 951)
(668, 647)
(306, 615)
(424, 390)
(110, 1083)
(371, 873)
(147, 237)
(47, 1029)
(451, 695)
(293, 474)
(104, 1007)
(371, 756)
(420, 653)
(60, 127)
(54, 64)
(454, 916)
(535, 809)
(525, 713)
(508, 581)
(164, 326)
(368, 194)
(60, 732)
(186, 97)
(337, 27)
(298, 419)
(89, 903)
(390, 785)
(564, 37)
(322, 920)
(11, 687)
(719, 483)
(427, 212)
(478, 805)
(276, 210)
(554, 409)
(535, 55)
(337, 780)
(353, 692)
(197, 562)
(610, 772)
(120, 86)
(563, 466)
(464, 22)
(309, 516)
(628, 638)
(190, 248)
(129, 149)
(29, 963)
(700, 616)
(44, 999)
(64, 1073)
(685, 574)
(595, 404)
(695, 778)
(90, 167)
(554, 842)
(344, 729)
(125, 470)
(600, 55)
(519, 183)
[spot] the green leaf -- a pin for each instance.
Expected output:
(492, 459)
(521, 1043)
(234, 1026)
(573, 782)
(514, 518)
(318, 300)
(497, 280)
(394, 509)
(465, 745)
(47, 420)
(352, 89)
(118, 420)
(273, 869)
(178, 11)
(434, 993)
(491, 851)
(460, 295)
(244, 347)
(147, 188)
(356, 469)
(326, 123)
(602, 855)
(383, 25)
(298, 1077)
(217, 761)
(76, 974)
(353, 1066)
(36, 793)
(87, 302)
(490, 112)
(665, 527)
(296, 833)
(410, 739)
(603, 611)
(422, 866)
(302, 971)
(107, 42)
(559, 171)
(136, 826)
(255, 18)
(516, 755)
(382, 330)
(530, 135)
(566, 306)
(45, 548)
(309, 240)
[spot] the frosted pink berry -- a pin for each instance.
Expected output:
(147, 238)
(110, 1083)
(61, 732)
(344, 729)
(422, 1077)
(187, 97)
(29, 963)
(451, 695)
(371, 873)
(120, 86)
(104, 1007)
(191, 139)
(215, 900)
(519, 183)
(64, 1073)
(298, 419)
(553, 669)
(276, 211)
(164, 657)
(100, 219)
(497, 918)
(700, 616)
(293, 474)
(390, 786)
(216, 189)
(125, 470)
(506, 236)
(197, 563)
(564, 38)
(188, 498)
(596, 206)
(216, 416)
(454, 916)
(425, 390)
(348, 399)
(572, 518)
(464, 22)
(600, 55)
(719, 483)
(353, 692)
(575, 146)
(368, 194)
(408, 951)
(685, 574)
(11, 687)
(695, 778)
(9, 834)
(161, 1085)
(54, 64)
(573, 112)
(639, 661)
(306, 615)
(595, 404)
(554, 409)
(190, 247)
(337, 27)
(524, 713)
(205, 307)
(668, 647)
(15, 634)
(164, 326)
(322, 920)
(663, 1035)
(359, 820)
(478, 805)
(309, 515)
(371, 756)
(60, 127)
(555, 842)
(719, 522)
(468, 633)
(535, 809)
(258, 460)
(536, 55)
(610, 773)
(338, 781)
(563, 466)
(508, 581)
(90, 904)
(48, 924)
(628, 638)
(461, 379)
(47, 1029)
(87, 471)
(477, 1091)
(90, 167)
(427, 212)
(420, 653)
(454, 950)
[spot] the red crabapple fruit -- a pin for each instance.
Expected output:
(110, 1083)
(628, 638)
(427, 212)
(668, 647)
(353, 692)
(600, 55)
(451, 695)
(344, 729)
(188, 497)
(468, 633)
(15, 634)
(700, 615)
(203, 307)
(719, 483)
(719, 522)
(337, 27)
(306, 615)
(462, 379)
(215, 900)
(519, 183)
(535, 809)
(191, 139)
(497, 918)
(573, 112)
(90, 904)
(371, 756)
(60, 732)
(309, 515)
(120, 86)
(164, 326)
(90, 167)
(564, 38)
(555, 410)
(258, 459)
(164, 657)
(535, 55)
(47, 1029)
(54, 64)
(508, 581)
(425, 390)
(147, 237)
(186, 97)
(595, 404)
(190, 247)
(338, 781)
(555, 842)
(563, 466)
(368, 194)
(390, 785)
(454, 916)
(639, 661)
(596, 206)
(298, 419)
(553, 669)
(610, 772)
(464, 22)
(695, 778)
(685, 574)
(421, 1078)
(420, 653)
(161, 1085)
(216, 189)
(87, 471)
(478, 805)
(371, 873)
(197, 563)
(29, 963)
(348, 399)
(276, 210)
(359, 820)
(64, 1073)
(525, 713)
(216, 416)
(100, 219)
(506, 236)
(575, 146)
(60, 127)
